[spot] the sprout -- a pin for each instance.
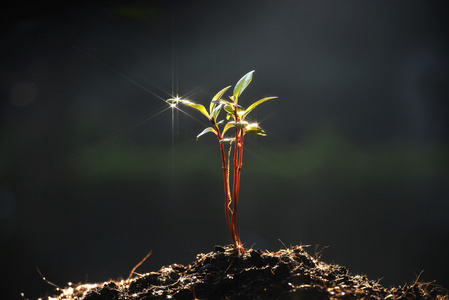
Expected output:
(235, 114)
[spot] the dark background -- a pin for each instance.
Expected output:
(92, 177)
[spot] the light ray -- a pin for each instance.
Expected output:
(116, 136)
(115, 70)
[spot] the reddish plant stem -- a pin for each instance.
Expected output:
(231, 214)
(226, 187)
(237, 187)
(238, 148)
(234, 190)
(234, 174)
(226, 191)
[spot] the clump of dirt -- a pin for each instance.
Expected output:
(225, 274)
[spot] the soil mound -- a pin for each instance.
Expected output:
(224, 274)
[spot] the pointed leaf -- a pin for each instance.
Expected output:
(242, 84)
(255, 104)
(208, 129)
(255, 128)
(229, 109)
(216, 111)
(228, 126)
(217, 97)
(221, 101)
(211, 107)
(240, 110)
(241, 124)
(198, 107)
(259, 132)
(230, 140)
(220, 93)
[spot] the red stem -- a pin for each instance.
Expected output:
(231, 215)
(226, 191)
(237, 191)
(226, 187)
(238, 151)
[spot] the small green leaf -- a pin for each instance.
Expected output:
(220, 93)
(221, 101)
(198, 107)
(211, 108)
(216, 111)
(255, 104)
(241, 124)
(230, 140)
(254, 128)
(229, 109)
(217, 98)
(228, 126)
(208, 129)
(242, 84)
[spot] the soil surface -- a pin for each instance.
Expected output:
(224, 274)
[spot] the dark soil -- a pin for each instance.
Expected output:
(224, 274)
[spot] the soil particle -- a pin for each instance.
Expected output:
(224, 274)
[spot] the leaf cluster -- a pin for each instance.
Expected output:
(235, 113)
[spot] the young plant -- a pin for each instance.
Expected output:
(238, 127)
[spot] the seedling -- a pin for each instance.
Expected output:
(236, 120)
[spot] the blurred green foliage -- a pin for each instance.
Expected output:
(324, 157)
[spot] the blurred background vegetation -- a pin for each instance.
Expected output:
(95, 172)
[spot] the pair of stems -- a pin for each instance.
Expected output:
(231, 212)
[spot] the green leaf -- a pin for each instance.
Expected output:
(216, 111)
(217, 98)
(242, 84)
(221, 101)
(198, 107)
(230, 140)
(254, 128)
(241, 124)
(208, 129)
(230, 109)
(228, 126)
(255, 104)
(220, 93)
